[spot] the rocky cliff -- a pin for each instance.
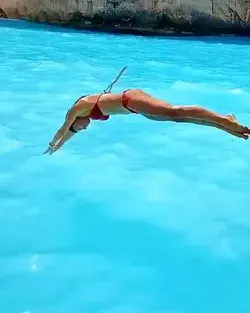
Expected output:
(138, 16)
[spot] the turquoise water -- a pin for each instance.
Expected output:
(133, 216)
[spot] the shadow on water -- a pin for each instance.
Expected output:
(24, 24)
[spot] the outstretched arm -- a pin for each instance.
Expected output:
(67, 136)
(65, 127)
(60, 134)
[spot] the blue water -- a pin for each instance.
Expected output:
(133, 216)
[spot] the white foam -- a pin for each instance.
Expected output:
(181, 85)
(236, 91)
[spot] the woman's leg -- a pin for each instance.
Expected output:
(203, 123)
(147, 105)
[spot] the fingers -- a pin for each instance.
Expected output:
(55, 148)
(51, 150)
(46, 151)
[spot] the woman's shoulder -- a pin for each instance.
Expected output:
(85, 103)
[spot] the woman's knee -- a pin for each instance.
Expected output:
(170, 112)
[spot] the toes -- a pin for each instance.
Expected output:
(241, 135)
(246, 130)
(245, 136)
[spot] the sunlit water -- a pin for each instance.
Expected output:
(133, 216)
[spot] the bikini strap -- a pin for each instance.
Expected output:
(108, 89)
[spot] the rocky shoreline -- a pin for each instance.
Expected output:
(161, 22)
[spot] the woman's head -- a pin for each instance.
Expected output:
(80, 123)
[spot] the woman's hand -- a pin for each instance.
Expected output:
(51, 149)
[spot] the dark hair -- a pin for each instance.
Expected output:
(72, 129)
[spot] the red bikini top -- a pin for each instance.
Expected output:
(96, 113)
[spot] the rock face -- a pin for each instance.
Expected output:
(138, 16)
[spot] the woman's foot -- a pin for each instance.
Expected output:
(242, 132)
(233, 125)
(231, 117)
